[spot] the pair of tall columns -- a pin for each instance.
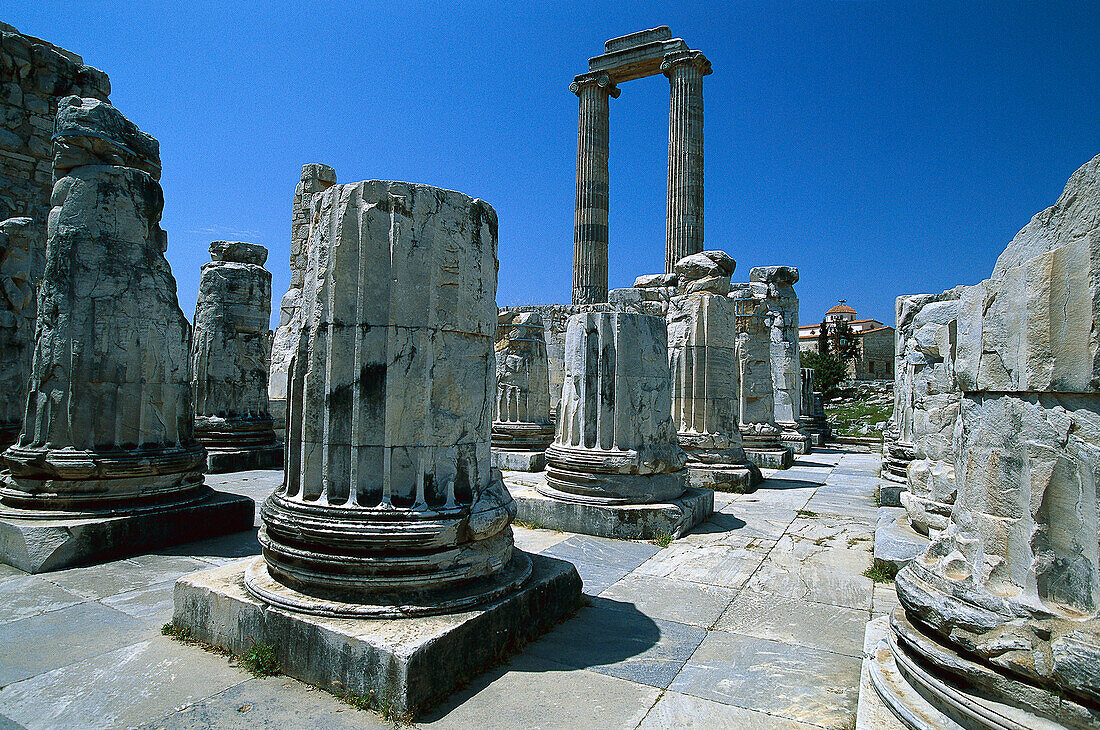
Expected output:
(684, 220)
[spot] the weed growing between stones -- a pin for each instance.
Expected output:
(382, 705)
(806, 513)
(183, 635)
(882, 572)
(261, 661)
(663, 540)
(530, 524)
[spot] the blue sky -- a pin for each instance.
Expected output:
(881, 148)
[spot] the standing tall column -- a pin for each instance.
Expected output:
(684, 221)
(590, 219)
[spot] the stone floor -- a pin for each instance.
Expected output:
(755, 620)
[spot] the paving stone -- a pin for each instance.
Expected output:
(885, 598)
(720, 565)
(726, 529)
(676, 710)
(121, 576)
(120, 688)
(672, 599)
(601, 561)
(151, 603)
(535, 541)
(794, 682)
(534, 692)
(793, 621)
(833, 577)
(220, 550)
(615, 638)
(45, 642)
(28, 595)
(9, 571)
(270, 703)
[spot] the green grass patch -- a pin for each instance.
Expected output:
(530, 524)
(882, 572)
(847, 418)
(806, 513)
(261, 661)
(663, 540)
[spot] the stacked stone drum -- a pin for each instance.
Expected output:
(615, 441)
(390, 506)
(521, 410)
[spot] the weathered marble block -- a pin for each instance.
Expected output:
(106, 463)
(20, 268)
(390, 506)
(229, 359)
(522, 428)
(615, 441)
(1004, 605)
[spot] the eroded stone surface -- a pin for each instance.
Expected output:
(20, 266)
(521, 406)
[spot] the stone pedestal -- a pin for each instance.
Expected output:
(521, 409)
(702, 349)
(107, 444)
(229, 360)
(615, 442)
(390, 508)
(590, 221)
(684, 219)
(760, 435)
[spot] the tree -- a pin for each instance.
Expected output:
(846, 344)
(829, 371)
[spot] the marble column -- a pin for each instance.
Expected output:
(522, 428)
(590, 220)
(390, 506)
(108, 423)
(759, 433)
(684, 220)
(229, 360)
(812, 416)
(615, 441)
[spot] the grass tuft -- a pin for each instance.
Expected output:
(261, 661)
(663, 540)
(806, 513)
(882, 572)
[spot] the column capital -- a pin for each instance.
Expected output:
(678, 58)
(600, 79)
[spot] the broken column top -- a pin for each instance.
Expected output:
(92, 132)
(239, 252)
(774, 274)
(641, 37)
(318, 171)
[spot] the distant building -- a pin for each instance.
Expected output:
(875, 340)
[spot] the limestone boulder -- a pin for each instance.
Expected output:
(92, 132)
(702, 265)
(655, 280)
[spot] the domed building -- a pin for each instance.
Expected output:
(874, 340)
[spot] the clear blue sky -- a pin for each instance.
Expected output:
(881, 148)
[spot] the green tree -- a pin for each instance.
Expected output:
(829, 371)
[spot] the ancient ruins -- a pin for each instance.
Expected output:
(229, 360)
(107, 450)
(637, 494)
(630, 57)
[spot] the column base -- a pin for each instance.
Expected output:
(673, 518)
(226, 460)
(925, 683)
(518, 460)
(37, 545)
(770, 458)
(732, 478)
(406, 664)
(798, 442)
(896, 542)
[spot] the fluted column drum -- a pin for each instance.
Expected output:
(759, 431)
(590, 219)
(615, 441)
(108, 424)
(684, 220)
(702, 354)
(390, 506)
(229, 355)
(521, 409)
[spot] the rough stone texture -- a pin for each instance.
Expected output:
(106, 462)
(34, 76)
(702, 352)
(390, 506)
(316, 178)
(703, 265)
(896, 542)
(1013, 581)
(521, 406)
(615, 441)
(786, 363)
(926, 402)
(229, 358)
(759, 432)
(20, 266)
(407, 664)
